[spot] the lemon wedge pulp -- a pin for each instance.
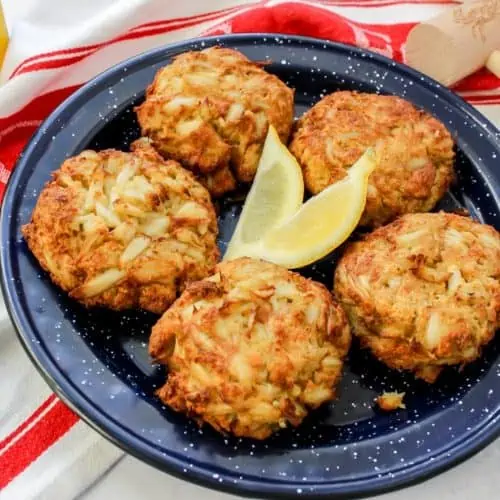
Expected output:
(276, 194)
(321, 224)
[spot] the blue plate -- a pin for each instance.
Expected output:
(97, 360)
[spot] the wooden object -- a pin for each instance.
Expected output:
(456, 43)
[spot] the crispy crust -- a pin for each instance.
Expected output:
(391, 401)
(211, 109)
(123, 230)
(414, 151)
(251, 348)
(424, 291)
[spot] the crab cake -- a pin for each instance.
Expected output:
(414, 151)
(423, 291)
(251, 349)
(123, 230)
(211, 109)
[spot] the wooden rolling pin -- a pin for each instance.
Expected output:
(456, 43)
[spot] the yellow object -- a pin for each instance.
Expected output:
(276, 194)
(4, 36)
(323, 223)
(493, 63)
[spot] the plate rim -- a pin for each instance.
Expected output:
(132, 444)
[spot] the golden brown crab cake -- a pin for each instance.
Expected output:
(251, 349)
(217, 183)
(424, 291)
(123, 230)
(211, 109)
(414, 151)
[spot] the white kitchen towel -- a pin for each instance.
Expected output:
(46, 452)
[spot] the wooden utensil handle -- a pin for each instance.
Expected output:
(455, 43)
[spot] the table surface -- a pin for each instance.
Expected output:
(129, 479)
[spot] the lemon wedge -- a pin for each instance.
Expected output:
(323, 223)
(276, 194)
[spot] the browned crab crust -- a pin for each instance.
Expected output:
(210, 110)
(414, 151)
(391, 401)
(251, 349)
(123, 230)
(424, 291)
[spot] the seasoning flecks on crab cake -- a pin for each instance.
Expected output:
(210, 110)
(251, 349)
(414, 151)
(424, 291)
(123, 230)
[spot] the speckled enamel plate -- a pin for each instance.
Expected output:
(97, 360)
